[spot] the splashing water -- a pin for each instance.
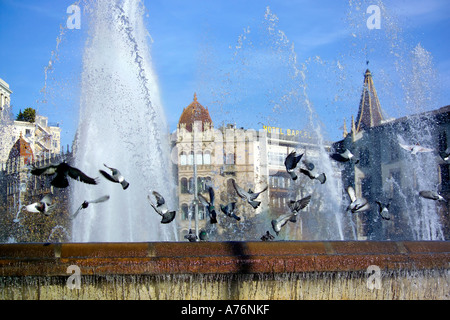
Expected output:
(122, 124)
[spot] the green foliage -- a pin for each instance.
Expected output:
(29, 114)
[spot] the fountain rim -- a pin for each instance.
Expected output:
(242, 257)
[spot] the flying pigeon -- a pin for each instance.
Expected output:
(416, 148)
(116, 177)
(298, 205)
(249, 196)
(383, 210)
(357, 204)
(161, 208)
(291, 162)
(312, 173)
(43, 206)
(432, 195)
(229, 210)
(63, 170)
(85, 204)
(209, 205)
(267, 236)
(277, 224)
(344, 157)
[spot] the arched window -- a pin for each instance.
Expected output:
(207, 157)
(184, 185)
(184, 211)
(201, 212)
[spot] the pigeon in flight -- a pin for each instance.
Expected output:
(383, 210)
(267, 236)
(291, 162)
(63, 170)
(295, 207)
(312, 173)
(86, 203)
(249, 196)
(116, 177)
(43, 206)
(161, 208)
(209, 205)
(432, 195)
(229, 210)
(344, 156)
(415, 149)
(298, 205)
(357, 204)
(277, 224)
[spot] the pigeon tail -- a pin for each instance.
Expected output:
(168, 217)
(293, 175)
(254, 204)
(236, 217)
(125, 184)
(322, 178)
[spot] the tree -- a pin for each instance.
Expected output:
(29, 114)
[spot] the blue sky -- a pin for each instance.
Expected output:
(223, 50)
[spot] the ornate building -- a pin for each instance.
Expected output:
(220, 156)
(388, 173)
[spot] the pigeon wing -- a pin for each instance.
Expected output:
(211, 195)
(203, 200)
(107, 176)
(253, 196)
(101, 199)
(47, 199)
(429, 195)
(239, 190)
(75, 214)
(51, 169)
(159, 198)
(351, 193)
(77, 174)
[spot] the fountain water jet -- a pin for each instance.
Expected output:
(122, 124)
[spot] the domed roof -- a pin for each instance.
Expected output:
(23, 149)
(194, 112)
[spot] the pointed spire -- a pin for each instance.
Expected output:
(345, 133)
(195, 96)
(369, 113)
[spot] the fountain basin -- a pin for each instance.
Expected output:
(227, 270)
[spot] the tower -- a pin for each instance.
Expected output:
(369, 113)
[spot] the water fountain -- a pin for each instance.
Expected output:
(122, 125)
(121, 121)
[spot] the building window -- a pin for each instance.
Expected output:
(199, 158)
(184, 185)
(229, 158)
(184, 211)
(207, 157)
(183, 159)
(191, 158)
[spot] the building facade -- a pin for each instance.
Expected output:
(388, 173)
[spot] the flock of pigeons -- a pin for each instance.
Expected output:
(63, 171)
